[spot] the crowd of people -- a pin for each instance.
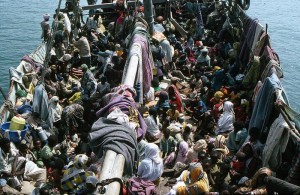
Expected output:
(195, 115)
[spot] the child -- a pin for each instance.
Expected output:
(238, 166)
(167, 144)
(37, 153)
(173, 114)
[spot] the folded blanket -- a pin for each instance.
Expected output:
(110, 135)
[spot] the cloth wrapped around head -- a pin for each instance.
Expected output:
(80, 161)
(200, 145)
(220, 144)
(46, 16)
(152, 152)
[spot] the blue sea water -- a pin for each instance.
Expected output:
(20, 34)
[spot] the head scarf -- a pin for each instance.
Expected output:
(151, 167)
(92, 180)
(80, 161)
(46, 16)
(178, 97)
(218, 95)
(196, 172)
(182, 152)
(55, 109)
(220, 144)
(225, 122)
(228, 107)
(200, 145)
(196, 181)
(261, 172)
(152, 152)
(141, 149)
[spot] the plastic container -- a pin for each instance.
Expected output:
(17, 123)
(42, 134)
(14, 135)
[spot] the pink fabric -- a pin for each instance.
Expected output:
(182, 152)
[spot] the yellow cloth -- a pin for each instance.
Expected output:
(173, 115)
(193, 186)
(75, 97)
(218, 95)
(31, 88)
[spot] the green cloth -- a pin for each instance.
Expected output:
(166, 145)
(38, 156)
(46, 153)
(252, 76)
(21, 93)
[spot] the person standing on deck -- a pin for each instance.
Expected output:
(82, 44)
(45, 27)
(40, 103)
(88, 83)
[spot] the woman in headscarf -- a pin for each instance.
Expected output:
(256, 185)
(193, 181)
(179, 157)
(151, 167)
(163, 103)
(199, 146)
(72, 116)
(226, 120)
(55, 110)
(174, 95)
(153, 125)
(220, 146)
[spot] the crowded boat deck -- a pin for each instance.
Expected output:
(149, 97)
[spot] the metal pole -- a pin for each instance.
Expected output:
(113, 165)
(108, 163)
(132, 66)
(117, 171)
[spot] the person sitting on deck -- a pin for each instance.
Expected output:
(47, 153)
(153, 125)
(66, 86)
(226, 120)
(151, 167)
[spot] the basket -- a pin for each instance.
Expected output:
(13, 135)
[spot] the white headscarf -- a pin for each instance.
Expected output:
(152, 152)
(151, 167)
(55, 110)
(152, 126)
(225, 122)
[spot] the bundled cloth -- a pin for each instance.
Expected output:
(128, 107)
(141, 187)
(264, 103)
(144, 75)
(110, 135)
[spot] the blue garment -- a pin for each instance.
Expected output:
(218, 80)
(264, 103)
(25, 108)
(202, 107)
(88, 83)
(40, 103)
